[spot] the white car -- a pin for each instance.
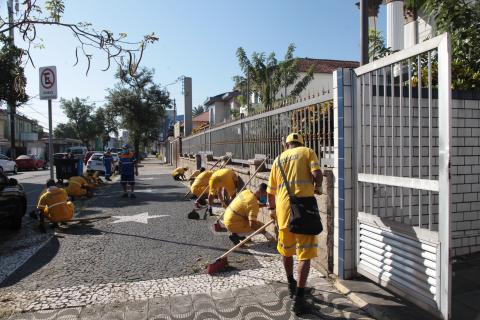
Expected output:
(7, 165)
(95, 163)
(115, 161)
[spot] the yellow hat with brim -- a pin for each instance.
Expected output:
(295, 137)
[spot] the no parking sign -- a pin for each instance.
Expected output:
(48, 83)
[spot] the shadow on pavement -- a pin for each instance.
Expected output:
(36, 262)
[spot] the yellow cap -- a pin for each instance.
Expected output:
(295, 137)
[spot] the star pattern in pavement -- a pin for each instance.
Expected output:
(140, 218)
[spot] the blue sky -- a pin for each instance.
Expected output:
(198, 38)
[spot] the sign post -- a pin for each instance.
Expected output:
(48, 91)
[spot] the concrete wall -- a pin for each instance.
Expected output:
(321, 84)
(324, 262)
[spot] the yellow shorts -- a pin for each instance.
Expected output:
(303, 245)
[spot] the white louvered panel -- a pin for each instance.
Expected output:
(399, 262)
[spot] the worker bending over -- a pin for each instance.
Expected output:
(200, 185)
(241, 215)
(195, 174)
(54, 205)
(223, 184)
(78, 187)
(179, 174)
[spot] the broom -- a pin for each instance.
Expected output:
(221, 262)
(194, 213)
(217, 227)
(213, 166)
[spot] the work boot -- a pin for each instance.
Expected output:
(292, 288)
(108, 179)
(300, 306)
(210, 212)
(133, 196)
(234, 238)
(125, 195)
(33, 215)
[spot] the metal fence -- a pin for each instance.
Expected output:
(264, 133)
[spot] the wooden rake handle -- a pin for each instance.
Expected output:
(259, 230)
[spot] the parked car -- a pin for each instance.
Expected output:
(79, 151)
(95, 163)
(60, 155)
(30, 162)
(7, 165)
(87, 156)
(13, 202)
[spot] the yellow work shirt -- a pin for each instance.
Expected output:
(244, 208)
(200, 183)
(223, 178)
(75, 185)
(55, 205)
(298, 164)
(178, 171)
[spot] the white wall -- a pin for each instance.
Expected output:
(320, 84)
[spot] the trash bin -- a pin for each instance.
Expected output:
(66, 168)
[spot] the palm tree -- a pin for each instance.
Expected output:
(266, 76)
(198, 110)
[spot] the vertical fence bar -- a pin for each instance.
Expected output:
(370, 124)
(400, 112)
(377, 98)
(410, 150)
(385, 142)
(419, 71)
(430, 214)
(392, 123)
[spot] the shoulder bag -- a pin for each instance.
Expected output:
(304, 214)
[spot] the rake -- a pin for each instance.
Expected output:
(213, 166)
(217, 227)
(222, 262)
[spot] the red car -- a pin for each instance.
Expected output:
(30, 162)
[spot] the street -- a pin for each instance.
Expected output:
(150, 255)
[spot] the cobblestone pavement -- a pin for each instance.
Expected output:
(154, 270)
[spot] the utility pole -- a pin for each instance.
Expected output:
(363, 32)
(11, 101)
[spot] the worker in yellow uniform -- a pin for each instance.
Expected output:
(78, 187)
(195, 174)
(54, 205)
(241, 215)
(302, 170)
(200, 185)
(223, 185)
(179, 174)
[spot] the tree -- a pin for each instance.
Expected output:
(107, 123)
(198, 110)
(12, 75)
(81, 119)
(139, 103)
(376, 46)
(267, 77)
(113, 46)
(461, 19)
(64, 131)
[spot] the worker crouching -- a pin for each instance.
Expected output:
(241, 215)
(78, 187)
(195, 174)
(54, 205)
(200, 186)
(179, 174)
(223, 185)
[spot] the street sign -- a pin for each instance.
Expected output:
(48, 83)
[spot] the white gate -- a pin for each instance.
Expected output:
(402, 121)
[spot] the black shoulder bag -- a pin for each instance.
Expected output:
(304, 214)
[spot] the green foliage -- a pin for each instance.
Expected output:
(376, 45)
(198, 110)
(140, 105)
(55, 8)
(12, 74)
(82, 122)
(460, 18)
(267, 77)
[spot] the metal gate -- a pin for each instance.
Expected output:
(402, 121)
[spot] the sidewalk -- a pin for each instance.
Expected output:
(254, 288)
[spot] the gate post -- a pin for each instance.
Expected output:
(344, 234)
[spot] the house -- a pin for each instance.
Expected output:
(222, 107)
(200, 121)
(27, 131)
(322, 82)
